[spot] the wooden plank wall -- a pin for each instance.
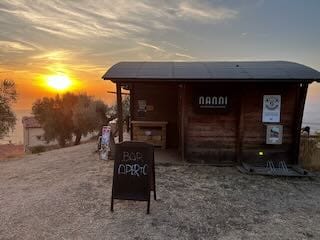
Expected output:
(164, 99)
(212, 138)
(255, 131)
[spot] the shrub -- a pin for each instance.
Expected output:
(37, 149)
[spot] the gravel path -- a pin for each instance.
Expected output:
(65, 194)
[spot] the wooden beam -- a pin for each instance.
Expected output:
(301, 99)
(132, 118)
(240, 128)
(119, 112)
(182, 110)
(116, 93)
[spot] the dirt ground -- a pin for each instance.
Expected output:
(11, 151)
(65, 194)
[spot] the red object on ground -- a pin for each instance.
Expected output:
(10, 151)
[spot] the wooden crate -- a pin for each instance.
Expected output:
(153, 132)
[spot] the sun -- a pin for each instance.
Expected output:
(59, 82)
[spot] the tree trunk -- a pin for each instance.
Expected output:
(78, 138)
(62, 142)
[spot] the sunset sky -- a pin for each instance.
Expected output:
(82, 39)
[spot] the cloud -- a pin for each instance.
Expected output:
(54, 55)
(117, 51)
(151, 46)
(184, 56)
(83, 34)
(54, 32)
(11, 46)
(205, 13)
(72, 19)
(62, 19)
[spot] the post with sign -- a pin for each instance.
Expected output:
(133, 175)
(104, 142)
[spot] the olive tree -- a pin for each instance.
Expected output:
(69, 115)
(8, 95)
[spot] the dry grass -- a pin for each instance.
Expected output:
(310, 152)
(65, 194)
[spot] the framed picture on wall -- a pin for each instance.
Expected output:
(271, 108)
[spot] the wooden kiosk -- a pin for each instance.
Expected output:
(219, 112)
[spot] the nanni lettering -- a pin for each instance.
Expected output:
(213, 101)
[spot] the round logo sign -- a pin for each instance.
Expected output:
(272, 103)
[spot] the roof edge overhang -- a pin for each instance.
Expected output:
(165, 80)
(293, 72)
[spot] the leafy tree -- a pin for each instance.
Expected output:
(125, 108)
(54, 118)
(88, 116)
(8, 95)
(67, 115)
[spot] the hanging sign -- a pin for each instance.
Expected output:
(212, 99)
(133, 175)
(104, 143)
(211, 102)
(274, 134)
(271, 108)
(105, 136)
(142, 108)
(142, 105)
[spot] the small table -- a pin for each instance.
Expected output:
(153, 132)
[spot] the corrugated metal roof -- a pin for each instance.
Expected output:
(207, 71)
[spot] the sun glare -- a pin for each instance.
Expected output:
(59, 82)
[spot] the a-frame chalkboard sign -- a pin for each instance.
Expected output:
(134, 173)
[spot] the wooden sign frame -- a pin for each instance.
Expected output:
(133, 173)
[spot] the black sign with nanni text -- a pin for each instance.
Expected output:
(133, 176)
(204, 101)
